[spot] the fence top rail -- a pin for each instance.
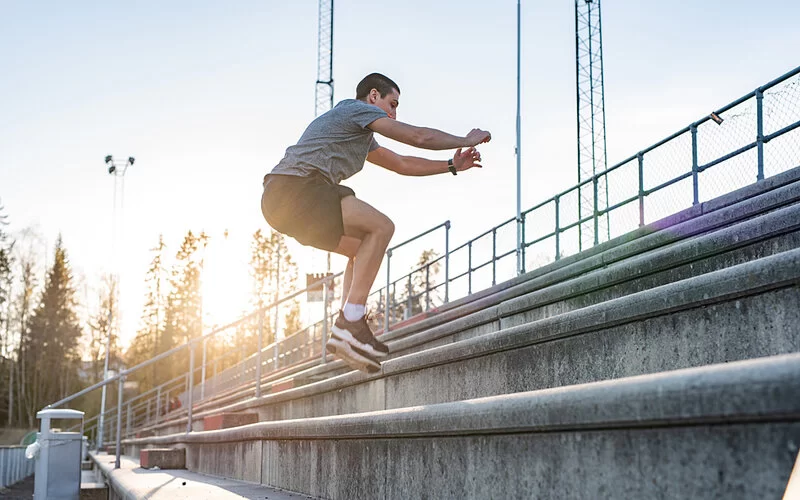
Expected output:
(420, 235)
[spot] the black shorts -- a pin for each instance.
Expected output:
(309, 209)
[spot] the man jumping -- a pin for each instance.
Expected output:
(303, 199)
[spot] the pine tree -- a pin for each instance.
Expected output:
(6, 343)
(267, 252)
(183, 312)
(52, 339)
(148, 342)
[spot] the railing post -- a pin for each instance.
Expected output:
(595, 210)
(494, 256)
(409, 303)
(695, 187)
(128, 421)
(120, 394)
(388, 278)
(325, 320)
(190, 391)
(149, 415)
(258, 352)
(760, 132)
(158, 404)
(428, 287)
(447, 261)
(640, 157)
(558, 227)
(203, 371)
(469, 268)
(522, 244)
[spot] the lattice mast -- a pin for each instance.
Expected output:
(323, 93)
(323, 96)
(592, 156)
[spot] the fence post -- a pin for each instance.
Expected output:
(203, 371)
(190, 392)
(469, 268)
(447, 261)
(494, 256)
(595, 210)
(640, 157)
(325, 320)
(522, 244)
(158, 404)
(388, 278)
(428, 287)
(121, 386)
(695, 187)
(128, 421)
(258, 352)
(558, 227)
(760, 132)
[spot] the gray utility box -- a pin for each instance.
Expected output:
(58, 466)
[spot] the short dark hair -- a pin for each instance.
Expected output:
(383, 84)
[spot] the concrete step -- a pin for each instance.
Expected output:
(708, 237)
(728, 430)
(131, 481)
(582, 308)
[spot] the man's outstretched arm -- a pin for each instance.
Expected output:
(411, 165)
(427, 138)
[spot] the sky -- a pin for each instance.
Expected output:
(207, 95)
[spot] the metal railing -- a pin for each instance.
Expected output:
(14, 466)
(753, 137)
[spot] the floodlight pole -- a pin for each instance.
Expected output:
(117, 170)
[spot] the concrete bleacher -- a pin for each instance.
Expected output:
(664, 363)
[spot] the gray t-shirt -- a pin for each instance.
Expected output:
(336, 143)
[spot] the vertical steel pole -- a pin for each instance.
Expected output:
(695, 187)
(325, 320)
(158, 404)
(520, 264)
(190, 391)
(522, 220)
(640, 156)
(447, 261)
(388, 278)
(428, 287)
(128, 421)
(203, 371)
(595, 181)
(558, 227)
(760, 132)
(119, 421)
(258, 352)
(469, 268)
(494, 256)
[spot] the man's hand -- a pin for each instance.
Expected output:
(467, 159)
(477, 136)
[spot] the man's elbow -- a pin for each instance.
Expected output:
(424, 138)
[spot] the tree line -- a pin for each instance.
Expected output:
(53, 341)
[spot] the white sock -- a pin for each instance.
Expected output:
(354, 312)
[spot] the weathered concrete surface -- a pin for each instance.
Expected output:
(722, 431)
(163, 458)
(227, 420)
(131, 482)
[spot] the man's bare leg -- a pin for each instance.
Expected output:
(347, 280)
(367, 233)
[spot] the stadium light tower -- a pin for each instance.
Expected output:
(118, 170)
(592, 156)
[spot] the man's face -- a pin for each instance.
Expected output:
(387, 103)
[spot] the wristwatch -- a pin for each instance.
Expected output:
(451, 167)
